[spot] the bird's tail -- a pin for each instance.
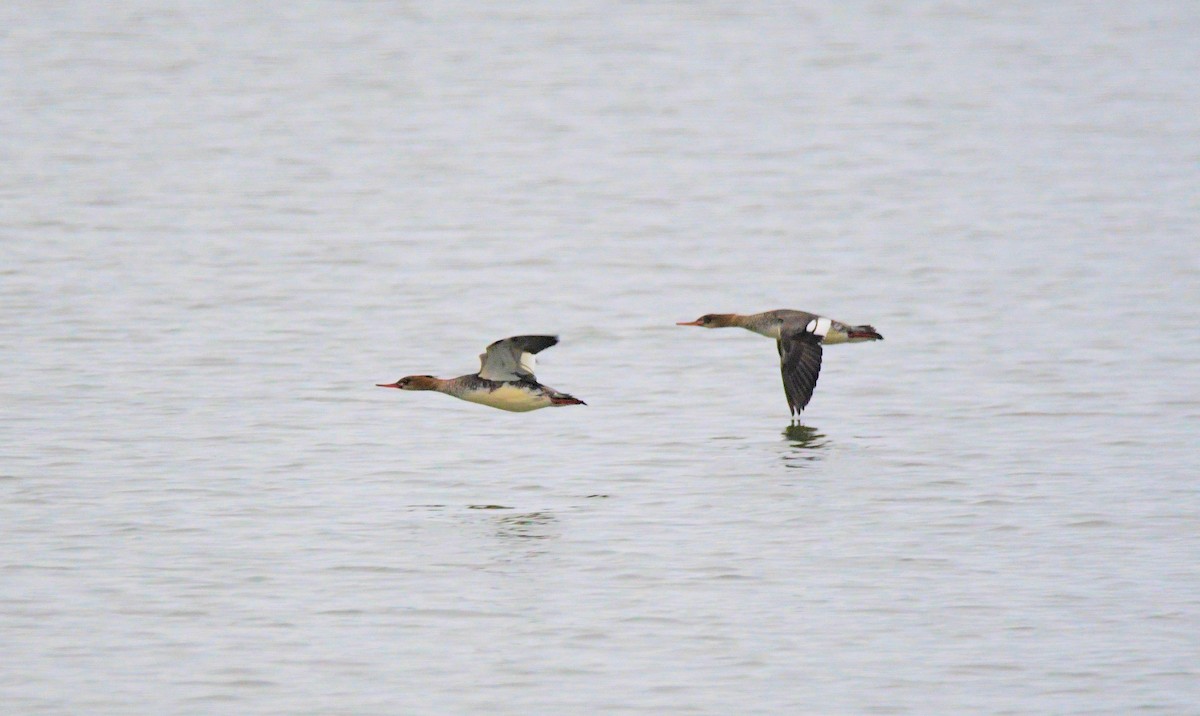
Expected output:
(863, 333)
(564, 399)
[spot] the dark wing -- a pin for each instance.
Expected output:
(512, 358)
(800, 363)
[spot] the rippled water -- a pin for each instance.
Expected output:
(223, 222)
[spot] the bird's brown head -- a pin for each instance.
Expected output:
(711, 320)
(413, 382)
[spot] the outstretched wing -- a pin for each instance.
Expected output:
(512, 358)
(800, 363)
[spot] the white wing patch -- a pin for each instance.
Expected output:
(497, 365)
(528, 363)
(819, 326)
(512, 359)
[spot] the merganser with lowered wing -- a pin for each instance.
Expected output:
(799, 336)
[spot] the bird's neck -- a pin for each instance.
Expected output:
(728, 320)
(760, 323)
(428, 382)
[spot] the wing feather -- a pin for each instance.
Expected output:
(513, 358)
(800, 363)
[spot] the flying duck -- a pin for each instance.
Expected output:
(505, 379)
(799, 336)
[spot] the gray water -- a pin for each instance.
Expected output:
(221, 223)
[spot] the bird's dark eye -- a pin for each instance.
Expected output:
(706, 319)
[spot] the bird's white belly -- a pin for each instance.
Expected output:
(835, 336)
(509, 397)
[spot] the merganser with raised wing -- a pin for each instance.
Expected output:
(505, 379)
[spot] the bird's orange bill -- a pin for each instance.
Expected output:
(689, 323)
(388, 385)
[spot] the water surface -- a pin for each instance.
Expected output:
(222, 224)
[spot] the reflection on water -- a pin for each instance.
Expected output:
(806, 445)
(524, 525)
(530, 525)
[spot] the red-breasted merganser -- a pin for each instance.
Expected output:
(799, 336)
(505, 378)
